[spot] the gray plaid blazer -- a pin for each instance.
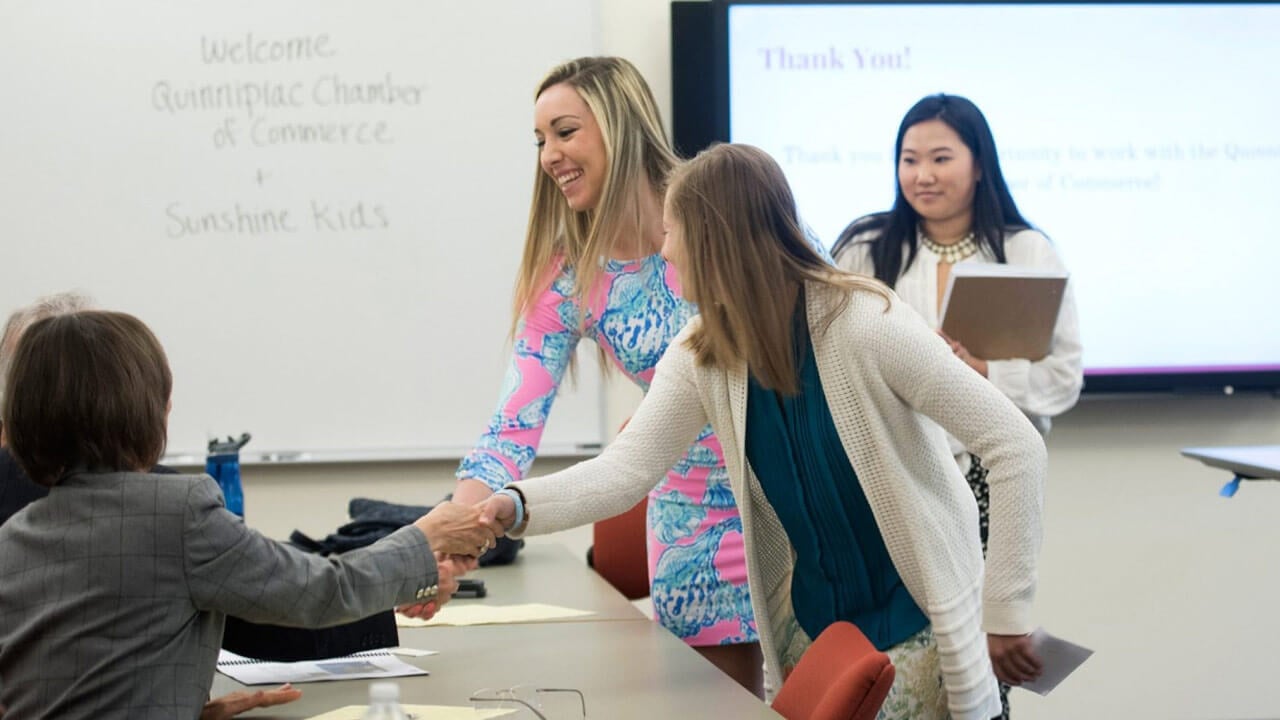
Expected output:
(114, 588)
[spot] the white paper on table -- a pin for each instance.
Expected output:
(368, 664)
(411, 652)
(418, 712)
(1060, 659)
(483, 614)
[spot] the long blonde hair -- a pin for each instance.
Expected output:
(745, 260)
(638, 154)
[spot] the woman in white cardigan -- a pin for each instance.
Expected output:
(820, 385)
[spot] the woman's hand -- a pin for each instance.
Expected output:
(499, 509)
(963, 353)
(456, 529)
(232, 704)
(1013, 658)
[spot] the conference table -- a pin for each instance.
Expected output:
(626, 665)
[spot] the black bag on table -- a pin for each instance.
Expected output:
(372, 520)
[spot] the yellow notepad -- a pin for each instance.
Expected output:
(474, 614)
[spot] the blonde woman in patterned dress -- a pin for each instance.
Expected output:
(591, 269)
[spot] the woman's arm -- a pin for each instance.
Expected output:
(544, 343)
(233, 569)
(919, 367)
(668, 420)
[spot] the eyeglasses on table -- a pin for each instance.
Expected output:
(534, 703)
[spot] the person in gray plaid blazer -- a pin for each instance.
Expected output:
(114, 588)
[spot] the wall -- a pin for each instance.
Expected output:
(316, 190)
(1170, 584)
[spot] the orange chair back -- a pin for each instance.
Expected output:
(620, 551)
(840, 677)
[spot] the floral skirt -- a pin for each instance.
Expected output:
(917, 692)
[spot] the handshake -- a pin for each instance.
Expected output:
(458, 535)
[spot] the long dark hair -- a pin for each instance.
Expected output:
(994, 211)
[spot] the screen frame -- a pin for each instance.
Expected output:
(700, 28)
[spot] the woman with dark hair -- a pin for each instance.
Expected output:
(954, 206)
(827, 392)
(114, 587)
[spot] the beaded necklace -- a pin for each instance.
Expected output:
(952, 253)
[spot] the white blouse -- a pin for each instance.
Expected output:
(1041, 389)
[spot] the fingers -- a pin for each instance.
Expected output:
(490, 521)
(1009, 674)
(457, 529)
(240, 702)
(446, 583)
(231, 704)
(448, 569)
(1013, 659)
(492, 514)
(464, 563)
(498, 513)
(487, 541)
(968, 358)
(286, 693)
(1022, 665)
(418, 611)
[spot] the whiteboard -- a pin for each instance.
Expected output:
(319, 206)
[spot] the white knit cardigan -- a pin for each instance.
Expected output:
(882, 368)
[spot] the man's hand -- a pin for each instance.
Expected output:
(455, 529)
(1013, 658)
(232, 704)
(447, 584)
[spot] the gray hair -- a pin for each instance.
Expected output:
(64, 303)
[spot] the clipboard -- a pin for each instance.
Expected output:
(999, 312)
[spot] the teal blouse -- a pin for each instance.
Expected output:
(842, 568)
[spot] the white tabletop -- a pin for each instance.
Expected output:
(1255, 462)
(626, 665)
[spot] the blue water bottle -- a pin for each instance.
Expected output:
(223, 465)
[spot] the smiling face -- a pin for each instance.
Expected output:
(571, 147)
(937, 174)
